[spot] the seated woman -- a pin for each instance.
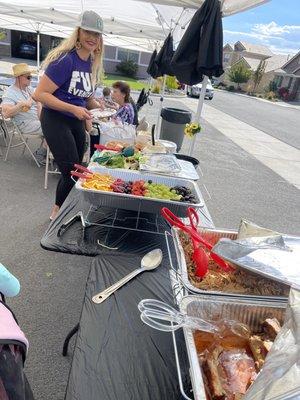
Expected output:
(121, 95)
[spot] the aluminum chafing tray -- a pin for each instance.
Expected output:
(135, 203)
(247, 311)
(211, 235)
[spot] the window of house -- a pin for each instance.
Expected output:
(226, 57)
(125, 55)
(279, 81)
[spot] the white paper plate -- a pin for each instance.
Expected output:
(100, 114)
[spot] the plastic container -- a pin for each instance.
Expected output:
(173, 124)
(249, 312)
(171, 147)
(184, 157)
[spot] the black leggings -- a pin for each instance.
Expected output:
(66, 138)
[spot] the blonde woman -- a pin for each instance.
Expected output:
(66, 91)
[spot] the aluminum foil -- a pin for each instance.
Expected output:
(280, 376)
(274, 256)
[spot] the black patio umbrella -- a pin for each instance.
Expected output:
(200, 51)
(152, 67)
(164, 57)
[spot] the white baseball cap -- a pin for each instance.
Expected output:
(91, 21)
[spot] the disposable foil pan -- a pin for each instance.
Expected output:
(249, 312)
(211, 235)
(135, 203)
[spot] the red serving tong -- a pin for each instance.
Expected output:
(196, 238)
(85, 172)
(102, 147)
(200, 256)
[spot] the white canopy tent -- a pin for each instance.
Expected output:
(138, 24)
(229, 7)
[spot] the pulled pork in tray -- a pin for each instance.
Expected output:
(238, 281)
(230, 364)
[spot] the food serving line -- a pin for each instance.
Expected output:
(116, 355)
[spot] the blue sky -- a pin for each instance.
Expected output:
(275, 24)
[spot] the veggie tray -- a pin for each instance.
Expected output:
(124, 189)
(159, 163)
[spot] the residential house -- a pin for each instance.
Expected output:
(251, 55)
(288, 76)
(269, 65)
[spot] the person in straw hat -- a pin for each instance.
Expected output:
(66, 91)
(17, 103)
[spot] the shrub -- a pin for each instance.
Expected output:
(270, 95)
(128, 68)
(171, 82)
(155, 89)
(231, 88)
(283, 93)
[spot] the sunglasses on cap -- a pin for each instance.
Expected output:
(27, 77)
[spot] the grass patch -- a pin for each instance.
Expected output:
(133, 83)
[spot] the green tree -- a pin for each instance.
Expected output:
(258, 74)
(239, 74)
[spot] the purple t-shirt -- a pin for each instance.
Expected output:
(73, 77)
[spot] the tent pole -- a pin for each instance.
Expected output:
(199, 110)
(38, 52)
(158, 123)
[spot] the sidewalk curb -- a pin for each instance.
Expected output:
(166, 96)
(277, 103)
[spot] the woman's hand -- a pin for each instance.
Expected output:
(81, 113)
(88, 125)
(26, 104)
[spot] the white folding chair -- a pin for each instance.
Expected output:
(13, 131)
(50, 161)
(52, 169)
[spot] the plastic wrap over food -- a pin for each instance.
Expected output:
(249, 229)
(280, 376)
(269, 254)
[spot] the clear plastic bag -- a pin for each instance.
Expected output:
(280, 376)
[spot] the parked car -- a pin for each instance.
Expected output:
(28, 50)
(194, 91)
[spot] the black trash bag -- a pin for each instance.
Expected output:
(200, 51)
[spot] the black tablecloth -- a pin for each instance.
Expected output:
(90, 241)
(116, 355)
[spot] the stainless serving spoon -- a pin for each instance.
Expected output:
(149, 262)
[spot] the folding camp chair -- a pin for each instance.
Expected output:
(3, 132)
(12, 130)
(143, 99)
